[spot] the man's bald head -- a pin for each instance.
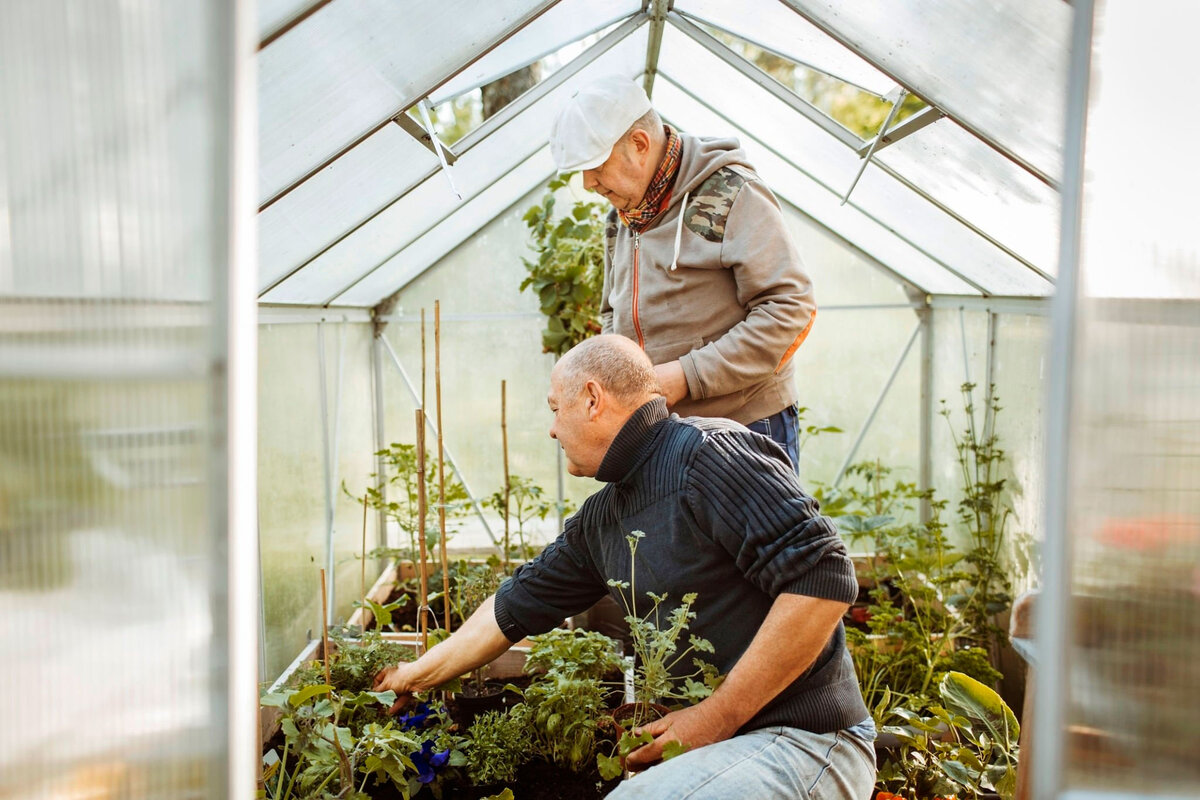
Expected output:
(616, 363)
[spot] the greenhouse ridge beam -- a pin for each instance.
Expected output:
(657, 11)
(749, 70)
(490, 45)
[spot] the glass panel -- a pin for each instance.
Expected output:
(338, 268)
(811, 197)
(998, 68)
(112, 558)
(777, 28)
(568, 21)
(983, 187)
(332, 202)
(834, 166)
(450, 232)
(350, 66)
(1133, 511)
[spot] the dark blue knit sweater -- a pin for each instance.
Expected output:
(723, 516)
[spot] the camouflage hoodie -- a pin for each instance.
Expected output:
(720, 288)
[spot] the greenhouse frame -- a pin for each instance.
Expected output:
(236, 256)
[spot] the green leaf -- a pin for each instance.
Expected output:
(302, 696)
(507, 794)
(958, 773)
(1006, 787)
(673, 748)
(972, 699)
(609, 766)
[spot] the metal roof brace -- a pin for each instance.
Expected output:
(896, 95)
(423, 107)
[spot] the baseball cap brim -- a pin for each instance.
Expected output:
(591, 163)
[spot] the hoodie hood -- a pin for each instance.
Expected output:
(701, 157)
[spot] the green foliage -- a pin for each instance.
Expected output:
(659, 675)
(965, 747)
(526, 502)
(497, 745)
(576, 653)
(564, 709)
(567, 272)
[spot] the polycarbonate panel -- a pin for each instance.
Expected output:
(101, 190)
(397, 226)
(566, 22)
(877, 194)
(114, 648)
(274, 14)
(811, 197)
(998, 68)
(450, 232)
(983, 187)
(344, 194)
(351, 66)
(1133, 502)
(777, 28)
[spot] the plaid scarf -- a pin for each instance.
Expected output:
(658, 194)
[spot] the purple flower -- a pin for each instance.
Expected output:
(428, 762)
(419, 718)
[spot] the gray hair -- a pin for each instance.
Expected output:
(613, 361)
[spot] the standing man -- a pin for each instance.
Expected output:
(699, 268)
(723, 516)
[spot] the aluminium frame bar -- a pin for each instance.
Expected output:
(323, 393)
(887, 387)
(412, 390)
(760, 78)
(925, 422)
(795, 5)
(489, 126)
(1054, 607)
(829, 188)
(381, 532)
(903, 129)
(516, 27)
(657, 11)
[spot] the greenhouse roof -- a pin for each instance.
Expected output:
(958, 199)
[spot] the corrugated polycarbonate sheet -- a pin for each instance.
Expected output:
(998, 68)
(983, 187)
(450, 232)
(274, 14)
(351, 66)
(878, 195)
(810, 196)
(336, 199)
(568, 21)
(394, 228)
(777, 28)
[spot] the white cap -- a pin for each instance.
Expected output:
(593, 120)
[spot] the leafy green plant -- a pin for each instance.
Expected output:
(526, 502)
(497, 745)
(965, 747)
(568, 269)
(576, 653)
(564, 712)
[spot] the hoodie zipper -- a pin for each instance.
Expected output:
(637, 325)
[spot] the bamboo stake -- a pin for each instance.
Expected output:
(437, 388)
(504, 449)
(363, 582)
(423, 360)
(423, 593)
(325, 627)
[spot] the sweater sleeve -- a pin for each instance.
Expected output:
(610, 243)
(743, 495)
(773, 288)
(560, 582)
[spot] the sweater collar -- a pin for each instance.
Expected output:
(632, 443)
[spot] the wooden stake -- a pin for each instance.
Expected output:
(504, 450)
(325, 627)
(437, 388)
(423, 361)
(423, 592)
(363, 583)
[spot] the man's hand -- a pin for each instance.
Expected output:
(399, 680)
(693, 727)
(672, 382)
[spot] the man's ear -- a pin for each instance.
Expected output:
(640, 141)
(594, 398)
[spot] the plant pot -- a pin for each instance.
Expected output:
(464, 708)
(623, 714)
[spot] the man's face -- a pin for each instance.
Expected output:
(624, 177)
(571, 426)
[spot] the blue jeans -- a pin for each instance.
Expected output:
(767, 764)
(784, 428)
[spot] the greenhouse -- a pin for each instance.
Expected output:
(282, 286)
